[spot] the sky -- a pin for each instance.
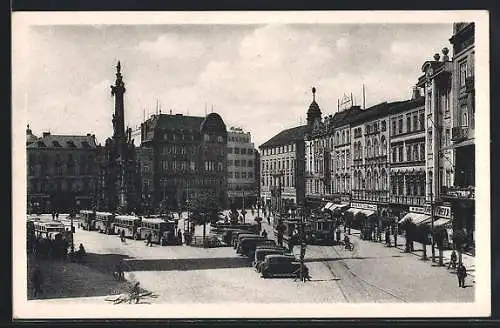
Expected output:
(257, 77)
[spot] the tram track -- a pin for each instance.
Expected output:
(360, 284)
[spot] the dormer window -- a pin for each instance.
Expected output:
(41, 144)
(71, 144)
(56, 143)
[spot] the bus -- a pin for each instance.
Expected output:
(104, 222)
(126, 223)
(49, 230)
(161, 230)
(88, 219)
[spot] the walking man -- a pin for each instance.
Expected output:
(461, 274)
(149, 238)
(388, 237)
(453, 260)
(122, 236)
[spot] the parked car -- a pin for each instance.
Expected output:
(249, 247)
(246, 242)
(261, 252)
(228, 233)
(240, 236)
(279, 266)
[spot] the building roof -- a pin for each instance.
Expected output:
(65, 141)
(177, 121)
(286, 136)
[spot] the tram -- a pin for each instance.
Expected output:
(126, 223)
(320, 231)
(104, 222)
(88, 219)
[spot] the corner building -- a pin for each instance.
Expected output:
(189, 157)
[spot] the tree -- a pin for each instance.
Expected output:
(233, 215)
(204, 208)
(440, 236)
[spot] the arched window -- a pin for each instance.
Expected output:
(383, 145)
(368, 180)
(415, 152)
(384, 180)
(337, 137)
(376, 182)
(375, 147)
(368, 148)
(343, 137)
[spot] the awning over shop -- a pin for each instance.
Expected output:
(327, 206)
(464, 143)
(415, 218)
(338, 206)
(355, 211)
(439, 222)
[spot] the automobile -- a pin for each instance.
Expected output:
(239, 236)
(260, 254)
(245, 243)
(248, 248)
(279, 266)
(228, 233)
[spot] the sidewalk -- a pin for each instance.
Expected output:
(467, 260)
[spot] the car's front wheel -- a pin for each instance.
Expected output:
(266, 274)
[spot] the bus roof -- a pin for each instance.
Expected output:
(128, 217)
(153, 220)
(86, 211)
(103, 213)
(50, 224)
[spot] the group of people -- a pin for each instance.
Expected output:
(48, 248)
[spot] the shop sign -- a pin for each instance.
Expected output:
(439, 211)
(371, 207)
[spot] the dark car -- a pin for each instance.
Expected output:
(239, 236)
(261, 252)
(250, 247)
(279, 266)
(248, 242)
(228, 233)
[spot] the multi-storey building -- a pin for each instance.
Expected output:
(145, 163)
(189, 157)
(370, 161)
(240, 168)
(283, 164)
(461, 194)
(62, 172)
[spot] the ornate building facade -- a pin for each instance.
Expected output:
(189, 156)
(62, 172)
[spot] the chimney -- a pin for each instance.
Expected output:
(88, 134)
(45, 134)
(436, 57)
(415, 93)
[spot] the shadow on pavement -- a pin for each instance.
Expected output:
(321, 259)
(64, 279)
(187, 264)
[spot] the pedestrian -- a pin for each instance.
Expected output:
(337, 234)
(387, 237)
(179, 236)
(57, 215)
(37, 280)
(268, 219)
(122, 236)
(453, 260)
(264, 233)
(461, 274)
(149, 238)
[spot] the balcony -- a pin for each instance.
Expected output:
(380, 196)
(467, 192)
(408, 200)
(461, 133)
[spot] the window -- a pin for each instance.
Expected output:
(229, 162)
(383, 126)
(447, 137)
(236, 162)
(229, 150)
(400, 126)
(394, 127)
(237, 175)
(408, 123)
(243, 162)
(463, 73)
(250, 175)
(415, 152)
(422, 121)
(243, 175)
(408, 153)
(219, 139)
(243, 151)
(394, 155)
(415, 122)
(250, 163)
(400, 154)
(464, 116)
(236, 150)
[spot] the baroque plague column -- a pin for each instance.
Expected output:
(120, 169)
